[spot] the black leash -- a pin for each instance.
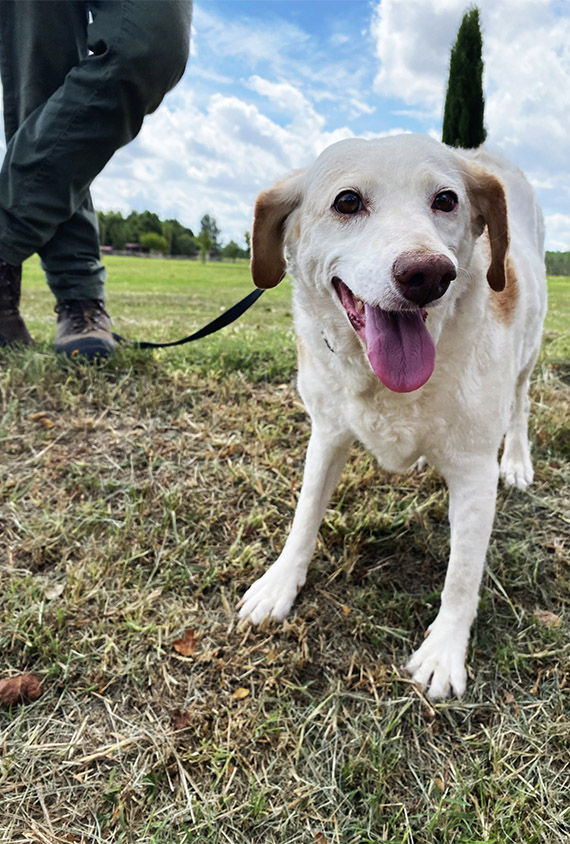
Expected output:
(216, 324)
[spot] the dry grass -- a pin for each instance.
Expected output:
(139, 499)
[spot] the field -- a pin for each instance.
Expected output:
(141, 497)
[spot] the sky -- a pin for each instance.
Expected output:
(271, 83)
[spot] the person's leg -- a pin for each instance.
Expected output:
(40, 41)
(138, 52)
(30, 75)
(13, 329)
(142, 48)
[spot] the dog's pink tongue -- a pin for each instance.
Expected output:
(400, 348)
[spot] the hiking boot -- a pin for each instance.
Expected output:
(12, 327)
(83, 328)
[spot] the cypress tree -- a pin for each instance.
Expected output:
(464, 102)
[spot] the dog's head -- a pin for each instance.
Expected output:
(384, 227)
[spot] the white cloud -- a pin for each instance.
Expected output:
(527, 79)
(558, 226)
(263, 96)
(190, 160)
(289, 98)
(252, 41)
(528, 82)
(412, 45)
(304, 119)
(526, 55)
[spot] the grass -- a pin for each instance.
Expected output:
(140, 498)
(166, 299)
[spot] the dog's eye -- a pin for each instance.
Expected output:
(445, 201)
(348, 202)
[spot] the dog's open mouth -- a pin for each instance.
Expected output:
(400, 349)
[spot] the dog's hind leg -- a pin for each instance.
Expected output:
(272, 596)
(516, 465)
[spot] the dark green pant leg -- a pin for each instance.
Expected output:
(30, 72)
(71, 260)
(139, 51)
(33, 68)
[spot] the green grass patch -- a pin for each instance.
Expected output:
(162, 300)
(139, 498)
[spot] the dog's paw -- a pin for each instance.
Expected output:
(420, 465)
(516, 466)
(438, 665)
(271, 596)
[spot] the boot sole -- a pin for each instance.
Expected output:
(91, 348)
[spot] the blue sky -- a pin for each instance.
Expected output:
(271, 83)
(318, 47)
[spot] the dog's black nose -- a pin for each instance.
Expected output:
(422, 277)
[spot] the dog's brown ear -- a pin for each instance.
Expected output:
(488, 197)
(272, 208)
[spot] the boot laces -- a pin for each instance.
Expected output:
(84, 314)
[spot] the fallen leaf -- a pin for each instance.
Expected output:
(42, 418)
(320, 838)
(23, 688)
(116, 814)
(534, 689)
(239, 694)
(346, 610)
(547, 618)
(180, 720)
(54, 590)
(186, 646)
(509, 697)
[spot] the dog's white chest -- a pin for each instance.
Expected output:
(395, 442)
(395, 429)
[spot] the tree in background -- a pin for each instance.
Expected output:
(148, 221)
(204, 241)
(463, 124)
(232, 251)
(185, 244)
(116, 230)
(181, 239)
(168, 236)
(154, 242)
(209, 233)
(112, 229)
(558, 263)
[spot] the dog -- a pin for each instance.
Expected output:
(419, 295)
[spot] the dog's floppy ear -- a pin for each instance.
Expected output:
(272, 208)
(488, 198)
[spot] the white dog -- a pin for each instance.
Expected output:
(419, 297)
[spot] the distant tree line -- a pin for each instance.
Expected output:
(558, 263)
(167, 236)
(172, 238)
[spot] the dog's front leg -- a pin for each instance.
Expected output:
(439, 664)
(272, 596)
